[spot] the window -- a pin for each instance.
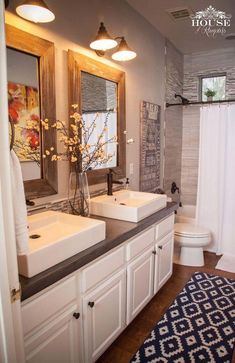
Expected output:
(214, 82)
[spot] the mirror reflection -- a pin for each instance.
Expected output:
(24, 110)
(99, 111)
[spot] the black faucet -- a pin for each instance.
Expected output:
(110, 182)
(174, 188)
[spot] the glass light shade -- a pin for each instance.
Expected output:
(103, 44)
(123, 53)
(36, 11)
(103, 40)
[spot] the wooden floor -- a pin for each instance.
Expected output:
(122, 350)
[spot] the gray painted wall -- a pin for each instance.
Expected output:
(145, 75)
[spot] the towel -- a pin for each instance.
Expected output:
(19, 206)
(226, 263)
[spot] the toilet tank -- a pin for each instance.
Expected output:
(186, 214)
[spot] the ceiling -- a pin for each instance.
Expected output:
(180, 32)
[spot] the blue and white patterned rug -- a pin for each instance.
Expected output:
(199, 327)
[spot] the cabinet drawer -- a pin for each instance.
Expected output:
(138, 244)
(101, 269)
(165, 227)
(45, 306)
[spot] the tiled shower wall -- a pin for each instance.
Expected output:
(190, 154)
(195, 65)
(173, 119)
(206, 63)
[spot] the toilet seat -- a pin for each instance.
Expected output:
(191, 239)
(190, 230)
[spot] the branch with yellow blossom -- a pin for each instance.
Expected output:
(76, 140)
(26, 143)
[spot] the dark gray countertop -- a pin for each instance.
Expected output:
(117, 232)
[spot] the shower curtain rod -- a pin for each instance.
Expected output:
(199, 103)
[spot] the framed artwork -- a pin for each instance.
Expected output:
(24, 112)
(150, 146)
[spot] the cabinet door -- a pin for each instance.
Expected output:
(139, 283)
(156, 270)
(164, 249)
(104, 315)
(55, 343)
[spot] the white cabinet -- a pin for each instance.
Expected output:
(139, 243)
(55, 343)
(164, 261)
(102, 269)
(52, 324)
(148, 272)
(78, 318)
(139, 283)
(39, 310)
(104, 315)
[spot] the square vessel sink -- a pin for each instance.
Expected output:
(56, 236)
(127, 205)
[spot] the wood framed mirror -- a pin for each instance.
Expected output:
(27, 49)
(99, 88)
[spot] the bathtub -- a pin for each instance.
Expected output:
(186, 214)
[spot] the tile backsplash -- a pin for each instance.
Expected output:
(63, 204)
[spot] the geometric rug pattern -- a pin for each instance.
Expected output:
(199, 327)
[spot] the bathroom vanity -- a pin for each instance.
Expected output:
(73, 311)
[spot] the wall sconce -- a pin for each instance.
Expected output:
(36, 11)
(103, 41)
(123, 52)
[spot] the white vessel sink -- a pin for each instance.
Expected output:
(56, 236)
(127, 205)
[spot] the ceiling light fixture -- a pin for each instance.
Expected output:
(104, 42)
(36, 11)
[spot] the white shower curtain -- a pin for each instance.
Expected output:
(216, 176)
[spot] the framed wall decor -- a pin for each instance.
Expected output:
(23, 105)
(23, 49)
(150, 146)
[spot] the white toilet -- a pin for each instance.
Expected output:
(190, 239)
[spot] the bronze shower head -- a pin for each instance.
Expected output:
(184, 100)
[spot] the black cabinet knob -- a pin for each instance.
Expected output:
(154, 252)
(76, 315)
(91, 304)
(160, 247)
